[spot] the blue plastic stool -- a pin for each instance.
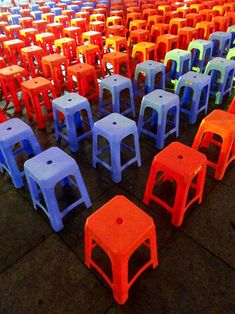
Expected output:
(37, 15)
(14, 19)
(222, 73)
(15, 10)
(12, 132)
(67, 2)
(231, 30)
(56, 11)
(163, 105)
(150, 69)
(115, 128)
(201, 53)
(51, 4)
(180, 64)
(115, 84)
(34, 7)
(74, 7)
(71, 106)
(43, 172)
(194, 98)
(221, 43)
(88, 4)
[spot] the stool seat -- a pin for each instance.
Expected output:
(201, 53)
(221, 43)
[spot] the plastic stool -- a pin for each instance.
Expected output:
(2, 116)
(36, 95)
(28, 36)
(2, 63)
(12, 132)
(165, 43)
(118, 43)
(157, 30)
(168, 16)
(10, 78)
(151, 71)
(220, 123)
(222, 73)
(98, 26)
(176, 24)
(221, 23)
(193, 19)
(53, 67)
(141, 52)
(86, 80)
(12, 49)
(94, 38)
(181, 164)
(37, 15)
(79, 22)
(56, 29)
(67, 47)
(14, 19)
(180, 61)
(26, 22)
(113, 228)
(43, 172)
(46, 41)
(201, 53)
(183, 11)
(74, 33)
(119, 61)
(71, 105)
(29, 56)
(13, 31)
(186, 35)
(49, 17)
(163, 105)
(115, 84)
(195, 94)
(40, 25)
(132, 16)
(231, 108)
(137, 36)
(204, 29)
(114, 20)
(221, 43)
(115, 128)
(231, 30)
(116, 30)
(62, 19)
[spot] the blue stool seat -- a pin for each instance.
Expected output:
(164, 105)
(15, 10)
(43, 172)
(34, 7)
(201, 53)
(231, 30)
(51, 4)
(67, 2)
(195, 95)
(150, 69)
(88, 4)
(222, 73)
(180, 64)
(221, 43)
(115, 128)
(14, 19)
(71, 106)
(73, 7)
(12, 132)
(115, 84)
(37, 15)
(56, 11)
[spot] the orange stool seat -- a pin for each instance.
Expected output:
(46, 41)
(114, 230)
(165, 43)
(12, 31)
(222, 124)
(118, 43)
(169, 16)
(86, 80)
(10, 79)
(62, 19)
(157, 30)
(40, 25)
(98, 26)
(204, 29)
(26, 22)
(56, 29)
(116, 30)
(119, 62)
(36, 96)
(32, 60)
(193, 19)
(186, 35)
(137, 36)
(176, 25)
(137, 24)
(185, 167)
(153, 20)
(206, 15)
(53, 67)
(29, 35)
(67, 46)
(12, 49)
(74, 33)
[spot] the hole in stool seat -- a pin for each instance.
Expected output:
(49, 162)
(180, 157)
(114, 123)
(69, 99)
(119, 221)
(9, 128)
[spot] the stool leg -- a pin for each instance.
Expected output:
(120, 279)
(179, 204)
(149, 186)
(137, 148)
(13, 168)
(34, 191)
(88, 247)
(153, 246)
(222, 163)
(116, 173)
(80, 184)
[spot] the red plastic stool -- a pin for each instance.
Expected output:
(2, 63)
(74, 33)
(2, 39)
(204, 29)
(53, 67)
(12, 31)
(67, 47)
(193, 19)
(10, 79)
(45, 9)
(187, 168)
(26, 22)
(2, 116)
(176, 25)
(157, 30)
(3, 24)
(116, 30)
(114, 230)
(79, 22)
(86, 80)
(32, 60)
(221, 23)
(97, 17)
(132, 17)
(148, 12)
(83, 15)
(137, 24)
(36, 95)
(49, 17)
(98, 26)
(183, 11)
(166, 43)
(46, 41)
(153, 20)
(231, 17)
(186, 35)
(12, 49)
(40, 25)
(62, 19)
(206, 15)
(28, 35)
(220, 123)
(137, 36)
(94, 38)
(119, 62)
(232, 106)
(69, 13)
(56, 29)
(25, 12)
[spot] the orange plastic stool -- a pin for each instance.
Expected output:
(98, 26)
(176, 25)
(162, 9)
(56, 29)
(74, 33)
(153, 20)
(137, 36)
(137, 24)
(114, 230)
(10, 79)
(204, 29)
(86, 80)
(118, 43)
(206, 15)
(193, 19)
(94, 38)
(196, 7)
(12, 31)
(53, 67)
(67, 47)
(62, 19)
(231, 17)
(132, 17)
(232, 106)
(28, 35)
(40, 25)
(29, 56)
(79, 22)
(218, 10)
(36, 95)
(83, 15)
(91, 54)
(157, 30)
(46, 41)
(114, 20)
(119, 62)
(116, 30)
(26, 22)
(2, 26)
(45, 9)
(141, 52)
(185, 167)
(169, 16)
(166, 43)
(221, 23)
(183, 11)
(49, 17)
(25, 12)
(87, 9)
(186, 35)
(12, 49)
(220, 123)
(148, 12)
